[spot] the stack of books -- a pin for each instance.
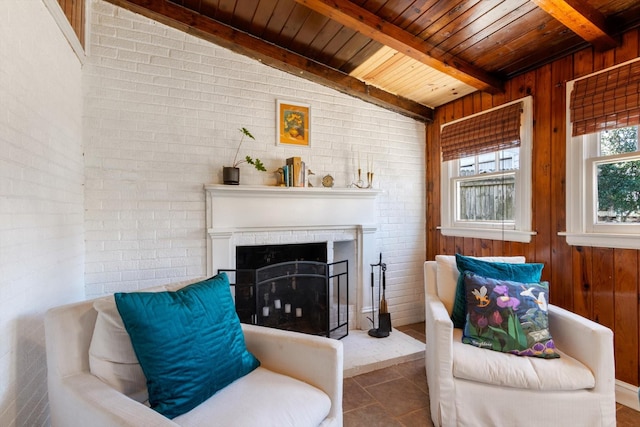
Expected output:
(294, 173)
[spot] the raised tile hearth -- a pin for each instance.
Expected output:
(363, 353)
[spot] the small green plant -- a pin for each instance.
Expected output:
(257, 163)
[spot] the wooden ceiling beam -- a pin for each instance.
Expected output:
(245, 44)
(359, 19)
(581, 18)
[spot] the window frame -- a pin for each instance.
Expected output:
(520, 230)
(582, 161)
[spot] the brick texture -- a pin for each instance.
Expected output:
(41, 199)
(162, 112)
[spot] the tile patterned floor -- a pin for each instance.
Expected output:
(398, 395)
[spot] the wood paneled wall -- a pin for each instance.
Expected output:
(599, 283)
(74, 10)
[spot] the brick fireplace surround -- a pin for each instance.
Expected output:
(260, 215)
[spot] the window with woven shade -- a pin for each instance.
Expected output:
(486, 174)
(495, 130)
(607, 100)
(603, 158)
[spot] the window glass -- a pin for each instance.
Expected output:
(467, 166)
(488, 199)
(618, 141)
(618, 179)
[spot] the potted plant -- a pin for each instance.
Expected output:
(231, 174)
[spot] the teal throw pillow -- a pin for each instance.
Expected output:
(508, 316)
(497, 270)
(189, 342)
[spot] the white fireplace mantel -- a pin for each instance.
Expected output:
(243, 206)
(235, 212)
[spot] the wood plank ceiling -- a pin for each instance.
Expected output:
(405, 55)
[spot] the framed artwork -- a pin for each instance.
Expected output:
(293, 127)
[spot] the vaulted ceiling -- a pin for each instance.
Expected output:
(405, 55)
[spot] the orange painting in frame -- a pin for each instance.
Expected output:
(293, 123)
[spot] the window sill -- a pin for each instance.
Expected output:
(492, 234)
(601, 240)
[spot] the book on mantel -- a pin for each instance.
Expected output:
(295, 172)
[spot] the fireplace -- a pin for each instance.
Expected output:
(292, 287)
(343, 220)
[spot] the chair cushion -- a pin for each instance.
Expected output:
(526, 273)
(189, 342)
(261, 398)
(507, 316)
(111, 356)
(447, 276)
(507, 370)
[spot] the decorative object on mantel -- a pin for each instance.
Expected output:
(359, 183)
(231, 174)
(327, 181)
(295, 172)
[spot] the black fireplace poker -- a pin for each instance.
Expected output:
(384, 317)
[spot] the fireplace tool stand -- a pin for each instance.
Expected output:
(384, 317)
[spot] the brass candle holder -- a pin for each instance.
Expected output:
(360, 183)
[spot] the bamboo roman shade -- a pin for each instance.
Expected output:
(485, 133)
(607, 100)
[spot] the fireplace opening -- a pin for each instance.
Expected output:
(292, 287)
(254, 257)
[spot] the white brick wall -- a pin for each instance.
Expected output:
(162, 110)
(41, 199)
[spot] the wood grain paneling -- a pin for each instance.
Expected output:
(74, 10)
(625, 291)
(602, 284)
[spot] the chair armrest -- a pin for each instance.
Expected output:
(313, 359)
(439, 335)
(586, 341)
(439, 359)
(83, 400)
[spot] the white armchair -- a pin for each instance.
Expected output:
(470, 386)
(300, 378)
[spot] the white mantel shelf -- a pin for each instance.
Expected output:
(268, 191)
(234, 207)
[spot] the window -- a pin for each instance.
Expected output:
(603, 159)
(486, 179)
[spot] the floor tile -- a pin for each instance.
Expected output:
(355, 396)
(377, 377)
(419, 418)
(399, 397)
(370, 416)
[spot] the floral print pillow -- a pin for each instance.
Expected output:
(507, 316)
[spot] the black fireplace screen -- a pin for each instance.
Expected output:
(303, 296)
